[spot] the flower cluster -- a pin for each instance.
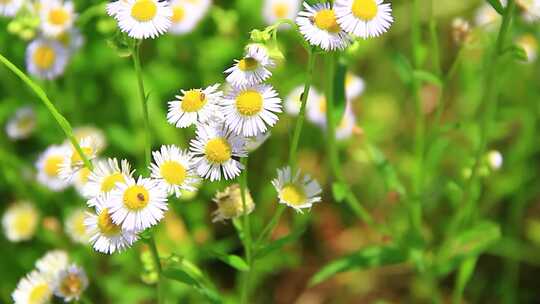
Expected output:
(54, 275)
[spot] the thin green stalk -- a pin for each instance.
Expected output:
(155, 257)
(247, 234)
(60, 120)
(144, 102)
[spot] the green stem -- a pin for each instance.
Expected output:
(155, 257)
(144, 102)
(247, 234)
(60, 120)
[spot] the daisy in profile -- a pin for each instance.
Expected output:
(252, 69)
(137, 204)
(196, 105)
(173, 168)
(216, 151)
(74, 226)
(250, 110)
(106, 236)
(48, 167)
(141, 19)
(22, 124)
(295, 191)
(46, 59)
(52, 263)
(104, 178)
(347, 126)
(354, 86)
(187, 14)
(318, 24)
(364, 18)
(20, 222)
(276, 10)
(34, 288)
(10, 8)
(230, 204)
(94, 135)
(73, 161)
(56, 17)
(316, 111)
(293, 101)
(70, 283)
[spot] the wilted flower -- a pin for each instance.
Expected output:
(230, 204)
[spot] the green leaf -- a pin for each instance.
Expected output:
(496, 4)
(279, 243)
(366, 258)
(425, 76)
(177, 274)
(186, 273)
(386, 169)
(232, 260)
(340, 101)
(403, 68)
(340, 191)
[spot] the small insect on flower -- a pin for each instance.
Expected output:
(33, 288)
(73, 161)
(364, 18)
(216, 150)
(74, 226)
(106, 175)
(10, 8)
(20, 221)
(252, 69)
(70, 283)
(196, 105)
(56, 17)
(230, 204)
(22, 124)
(296, 192)
(52, 262)
(48, 167)
(137, 205)
(187, 14)
(293, 102)
(250, 110)
(276, 10)
(46, 59)
(354, 86)
(106, 236)
(173, 169)
(318, 24)
(141, 19)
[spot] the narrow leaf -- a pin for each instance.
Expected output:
(232, 260)
(279, 243)
(339, 190)
(177, 274)
(496, 4)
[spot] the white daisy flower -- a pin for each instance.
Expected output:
(354, 86)
(56, 17)
(201, 5)
(529, 43)
(347, 125)
(48, 167)
(74, 226)
(73, 161)
(20, 221)
(80, 179)
(70, 283)
(196, 105)
(293, 102)
(495, 159)
(318, 24)
(10, 8)
(95, 135)
(216, 150)
(530, 9)
(316, 111)
(105, 177)
(487, 15)
(22, 124)
(254, 142)
(33, 288)
(252, 69)
(71, 39)
(173, 168)
(250, 110)
(105, 235)
(137, 205)
(52, 262)
(46, 59)
(296, 192)
(276, 10)
(230, 204)
(141, 19)
(364, 18)
(187, 15)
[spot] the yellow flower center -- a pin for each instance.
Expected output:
(247, 64)
(293, 195)
(193, 101)
(173, 172)
(178, 13)
(71, 285)
(281, 10)
(249, 103)
(83, 175)
(110, 181)
(52, 164)
(38, 294)
(136, 198)
(79, 226)
(24, 223)
(365, 9)
(326, 20)
(106, 225)
(26, 122)
(322, 105)
(76, 157)
(44, 57)
(218, 150)
(144, 10)
(58, 16)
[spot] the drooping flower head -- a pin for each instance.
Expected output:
(230, 204)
